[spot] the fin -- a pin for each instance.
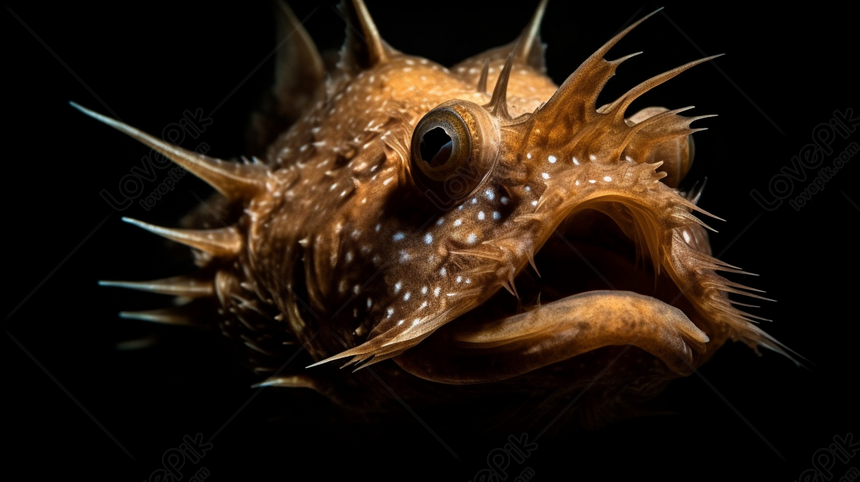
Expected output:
(167, 316)
(578, 93)
(233, 179)
(299, 72)
(363, 47)
(695, 193)
(217, 242)
(528, 48)
(620, 105)
(482, 82)
(298, 65)
(184, 286)
(295, 381)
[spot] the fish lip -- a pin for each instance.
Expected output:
(598, 249)
(527, 342)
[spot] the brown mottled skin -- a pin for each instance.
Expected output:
(357, 242)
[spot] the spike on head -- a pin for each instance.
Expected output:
(528, 49)
(498, 105)
(217, 242)
(232, 179)
(178, 286)
(363, 47)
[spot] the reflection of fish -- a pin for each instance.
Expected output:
(385, 223)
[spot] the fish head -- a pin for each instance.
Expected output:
(468, 235)
(521, 229)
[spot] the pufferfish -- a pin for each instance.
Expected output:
(472, 236)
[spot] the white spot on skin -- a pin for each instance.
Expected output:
(472, 238)
(534, 203)
(399, 236)
(504, 200)
(423, 290)
(529, 155)
(528, 188)
(607, 178)
(390, 312)
(428, 238)
(423, 305)
(436, 291)
(575, 161)
(443, 272)
(490, 194)
(440, 222)
(551, 159)
(356, 289)
(459, 279)
(378, 227)
(592, 181)
(474, 200)
(481, 216)
(497, 215)
(397, 287)
(458, 222)
(545, 175)
(369, 302)
(407, 296)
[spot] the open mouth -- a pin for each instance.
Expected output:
(594, 284)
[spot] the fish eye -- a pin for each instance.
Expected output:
(454, 149)
(677, 156)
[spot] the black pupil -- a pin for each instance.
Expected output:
(436, 147)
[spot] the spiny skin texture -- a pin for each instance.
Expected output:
(362, 237)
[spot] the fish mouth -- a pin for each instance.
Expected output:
(593, 284)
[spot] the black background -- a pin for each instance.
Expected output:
(784, 72)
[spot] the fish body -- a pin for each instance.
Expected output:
(456, 235)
